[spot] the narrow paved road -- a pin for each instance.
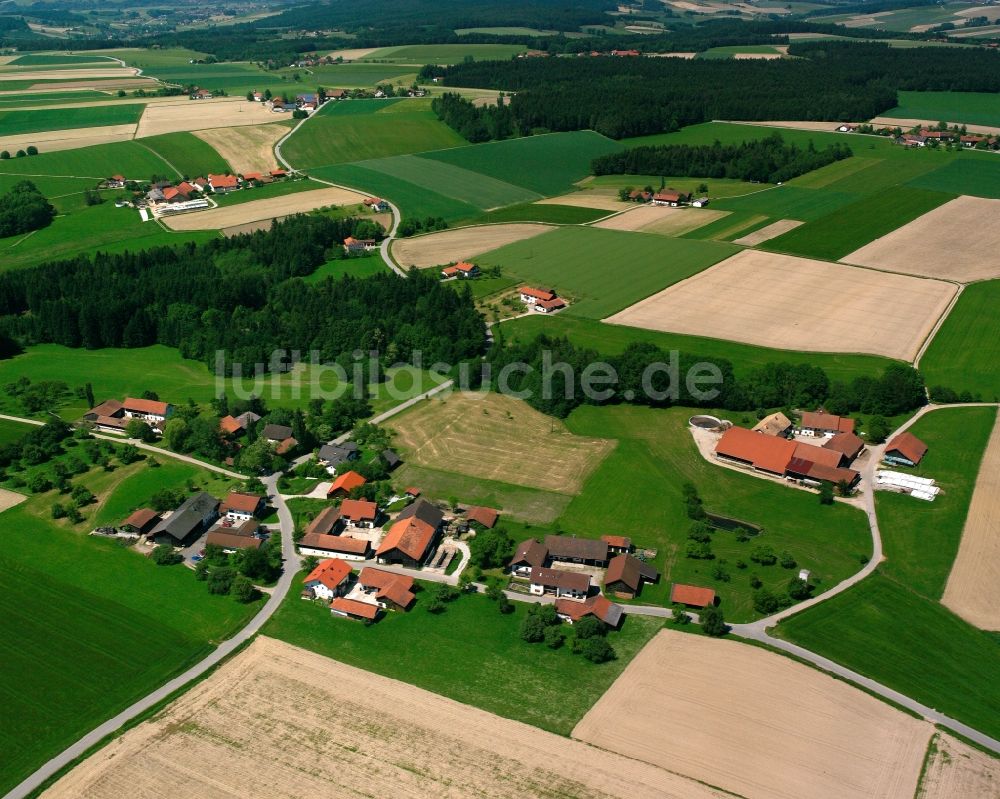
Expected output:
(95, 736)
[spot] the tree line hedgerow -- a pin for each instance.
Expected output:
(24, 209)
(768, 160)
(898, 389)
(241, 295)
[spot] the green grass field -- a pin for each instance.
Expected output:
(891, 627)
(846, 229)
(532, 212)
(977, 174)
(36, 60)
(420, 54)
(357, 75)
(234, 77)
(548, 164)
(97, 162)
(119, 624)
(187, 154)
(588, 264)
(965, 353)
(730, 51)
(48, 98)
(972, 108)
(613, 339)
(160, 57)
(355, 267)
(471, 653)
(12, 431)
(17, 122)
(718, 188)
(358, 130)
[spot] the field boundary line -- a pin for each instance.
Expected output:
(164, 160)
(929, 338)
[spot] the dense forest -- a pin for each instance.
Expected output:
(777, 385)
(769, 160)
(622, 97)
(240, 295)
(23, 209)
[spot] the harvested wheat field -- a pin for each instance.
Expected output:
(449, 246)
(973, 587)
(189, 115)
(8, 499)
(353, 54)
(767, 232)
(955, 771)
(278, 721)
(798, 304)
(662, 220)
(959, 240)
(52, 140)
(588, 199)
(256, 210)
(495, 437)
(247, 148)
(755, 723)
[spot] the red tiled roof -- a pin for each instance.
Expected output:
(557, 578)
(107, 408)
(764, 452)
(815, 454)
(229, 425)
(346, 482)
(692, 595)
(324, 522)
(252, 176)
(358, 510)
(397, 588)
(530, 552)
(330, 573)
(668, 196)
(820, 420)
(140, 518)
(221, 538)
(599, 606)
(354, 608)
(630, 571)
(846, 444)
(236, 500)
(145, 406)
(909, 446)
(335, 543)
(617, 541)
(413, 491)
(286, 445)
(820, 471)
(464, 266)
(278, 173)
(223, 181)
(540, 294)
(555, 302)
(410, 536)
(487, 517)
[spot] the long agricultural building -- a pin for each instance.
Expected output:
(781, 457)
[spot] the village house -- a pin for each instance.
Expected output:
(352, 609)
(598, 606)
(277, 174)
(276, 433)
(328, 580)
(240, 507)
(114, 416)
(485, 517)
(670, 197)
(376, 204)
(223, 184)
(570, 549)
(201, 94)
(692, 595)
(391, 458)
(531, 295)
(548, 306)
(912, 140)
(780, 457)
(460, 270)
(333, 455)
(848, 445)
(337, 94)
(141, 521)
(821, 423)
(334, 546)
(191, 518)
(412, 536)
(115, 182)
(232, 540)
(905, 450)
(625, 576)
(626, 53)
(529, 555)
(230, 426)
(390, 591)
(258, 97)
(564, 584)
(777, 424)
(327, 522)
(700, 202)
(345, 484)
(618, 544)
(359, 513)
(353, 246)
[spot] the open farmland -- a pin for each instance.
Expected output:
(188, 154)
(973, 588)
(449, 246)
(187, 115)
(255, 210)
(755, 723)
(359, 130)
(871, 312)
(953, 242)
(38, 75)
(420, 54)
(247, 148)
(976, 176)
(955, 769)
(495, 437)
(586, 264)
(966, 343)
(97, 162)
(767, 232)
(665, 221)
(281, 721)
(953, 107)
(16, 122)
(55, 140)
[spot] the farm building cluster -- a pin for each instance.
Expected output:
(667, 197)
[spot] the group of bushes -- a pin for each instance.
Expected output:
(542, 624)
(24, 209)
(27, 151)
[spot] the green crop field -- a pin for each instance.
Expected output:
(12, 431)
(730, 51)
(846, 229)
(160, 57)
(613, 339)
(48, 98)
(187, 154)
(972, 108)
(734, 133)
(548, 165)
(470, 653)
(977, 174)
(358, 130)
(35, 60)
(97, 162)
(789, 202)
(121, 625)
(420, 54)
(533, 212)
(965, 353)
(357, 75)
(891, 627)
(233, 77)
(15, 122)
(587, 265)
(718, 188)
